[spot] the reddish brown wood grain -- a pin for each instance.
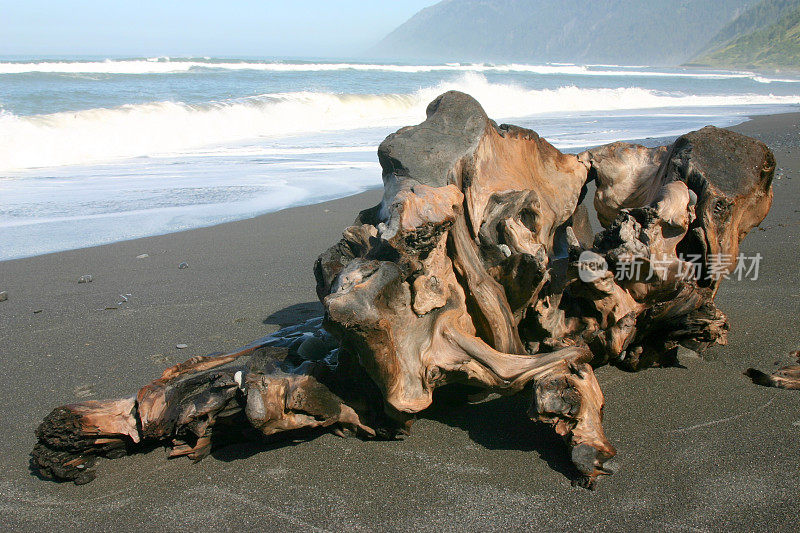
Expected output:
(475, 269)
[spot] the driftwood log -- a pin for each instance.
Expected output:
(478, 268)
(786, 377)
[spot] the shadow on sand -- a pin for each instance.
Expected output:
(294, 314)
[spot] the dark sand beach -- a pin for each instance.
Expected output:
(700, 448)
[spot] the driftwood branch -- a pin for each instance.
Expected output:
(786, 377)
(478, 268)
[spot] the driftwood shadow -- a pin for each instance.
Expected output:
(248, 446)
(499, 424)
(294, 314)
(502, 424)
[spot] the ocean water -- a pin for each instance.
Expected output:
(99, 150)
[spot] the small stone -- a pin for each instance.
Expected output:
(181, 346)
(3, 296)
(142, 256)
(86, 278)
(183, 265)
(37, 311)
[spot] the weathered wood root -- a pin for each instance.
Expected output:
(476, 268)
(786, 377)
(254, 391)
(571, 401)
(73, 436)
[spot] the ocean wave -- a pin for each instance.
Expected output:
(165, 128)
(166, 65)
(765, 79)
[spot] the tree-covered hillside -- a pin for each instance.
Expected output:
(761, 15)
(655, 32)
(773, 45)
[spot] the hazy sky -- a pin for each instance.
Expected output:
(200, 27)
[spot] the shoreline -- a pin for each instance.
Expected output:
(294, 206)
(700, 447)
(647, 141)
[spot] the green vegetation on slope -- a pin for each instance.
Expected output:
(761, 15)
(653, 32)
(775, 46)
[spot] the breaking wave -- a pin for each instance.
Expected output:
(166, 65)
(164, 128)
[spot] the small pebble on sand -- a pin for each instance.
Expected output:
(86, 278)
(142, 256)
(181, 346)
(3, 296)
(183, 265)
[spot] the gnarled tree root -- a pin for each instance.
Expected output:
(254, 391)
(268, 391)
(477, 268)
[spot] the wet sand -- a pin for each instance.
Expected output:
(699, 447)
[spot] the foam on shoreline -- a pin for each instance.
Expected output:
(164, 128)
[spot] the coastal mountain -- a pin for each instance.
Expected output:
(760, 15)
(765, 36)
(653, 32)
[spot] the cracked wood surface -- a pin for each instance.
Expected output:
(470, 272)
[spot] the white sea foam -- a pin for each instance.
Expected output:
(764, 79)
(163, 128)
(166, 65)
